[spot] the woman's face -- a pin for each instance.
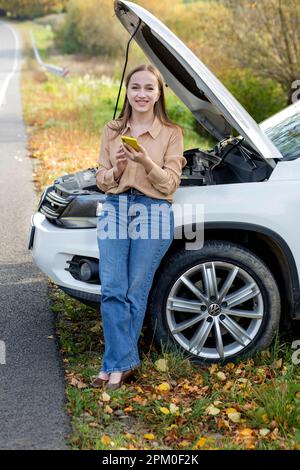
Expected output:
(143, 91)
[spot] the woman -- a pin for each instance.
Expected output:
(140, 182)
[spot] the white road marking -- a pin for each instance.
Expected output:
(5, 84)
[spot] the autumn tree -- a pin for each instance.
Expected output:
(265, 36)
(31, 8)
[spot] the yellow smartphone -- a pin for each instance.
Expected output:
(130, 141)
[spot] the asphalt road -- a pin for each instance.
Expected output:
(32, 401)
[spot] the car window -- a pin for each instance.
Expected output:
(285, 135)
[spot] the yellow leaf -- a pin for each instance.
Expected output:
(221, 376)
(161, 365)
(230, 410)
(246, 432)
(184, 443)
(164, 387)
(128, 409)
(228, 385)
(106, 440)
(265, 418)
(164, 410)
(230, 365)
(213, 368)
(105, 397)
(217, 403)
(235, 417)
(108, 409)
(173, 426)
(212, 410)
(264, 432)
(93, 424)
(173, 408)
(150, 437)
(200, 443)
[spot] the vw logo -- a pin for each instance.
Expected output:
(214, 309)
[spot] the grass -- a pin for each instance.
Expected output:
(173, 404)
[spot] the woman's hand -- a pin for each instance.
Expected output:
(121, 162)
(140, 156)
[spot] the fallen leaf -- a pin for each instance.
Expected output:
(213, 368)
(235, 417)
(108, 410)
(164, 410)
(212, 410)
(230, 410)
(243, 380)
(277, 364)
(221, 376)
(93, 424)
(77, 383)
(128, 409)
(186, 386)
(200, 443)
(149, 437)
(184, 443)
(264, 431)
(173, 426)
(228, 385)
(106, 440)
(217, 403)
(174, 409)
(246, 432)
(164, 387)
(161, 365)
(105, 397)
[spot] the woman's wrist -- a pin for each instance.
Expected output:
(117, 174)
(148, 164)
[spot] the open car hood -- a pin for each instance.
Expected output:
(195, 85)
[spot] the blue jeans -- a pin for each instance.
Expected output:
(133, 234)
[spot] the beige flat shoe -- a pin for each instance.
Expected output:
(98, 382)
(126, 375)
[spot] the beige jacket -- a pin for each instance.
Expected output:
(164, 145)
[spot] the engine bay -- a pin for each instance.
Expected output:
(229, 162)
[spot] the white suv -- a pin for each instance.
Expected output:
(224, 300)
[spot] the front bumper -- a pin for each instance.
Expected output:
(52, 247)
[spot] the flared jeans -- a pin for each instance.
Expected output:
(134, 232)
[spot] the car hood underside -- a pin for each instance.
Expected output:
(214, 107)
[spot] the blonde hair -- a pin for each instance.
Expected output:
(159, 107)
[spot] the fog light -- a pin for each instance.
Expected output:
(85, 271)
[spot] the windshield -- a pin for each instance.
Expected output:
(284, 131)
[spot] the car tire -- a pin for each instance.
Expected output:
(225, 269)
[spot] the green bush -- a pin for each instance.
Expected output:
(261, 97)
(89, 27)
(23, 9)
